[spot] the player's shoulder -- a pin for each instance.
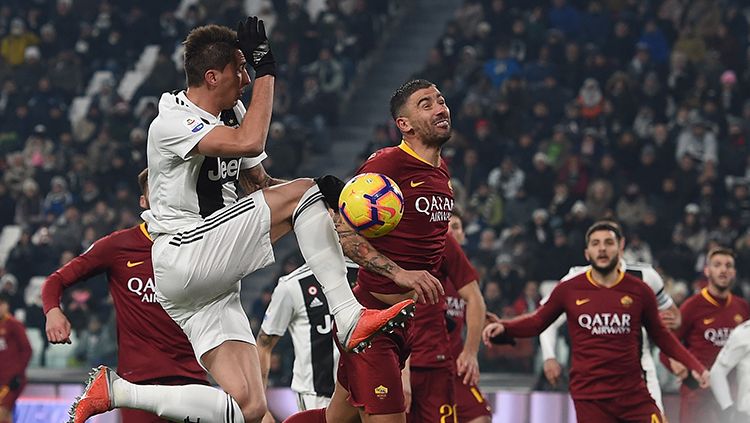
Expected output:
(175, 115)
(574, 272)
(382, 160)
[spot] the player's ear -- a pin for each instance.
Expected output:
(403, 124)
(586, 255)
(143, 202)
(211, 77)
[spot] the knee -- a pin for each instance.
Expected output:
(254, 411)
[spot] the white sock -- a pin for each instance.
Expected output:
(178, 403)
(319, 243)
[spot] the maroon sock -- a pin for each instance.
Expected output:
(310, 416)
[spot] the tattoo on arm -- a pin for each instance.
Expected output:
(357, 248)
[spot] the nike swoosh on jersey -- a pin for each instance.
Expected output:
(415, 184)
(708, 321)
(582, 301)
(133, 264)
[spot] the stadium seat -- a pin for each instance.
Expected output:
(36, 339)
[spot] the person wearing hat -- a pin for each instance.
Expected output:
(698, 141)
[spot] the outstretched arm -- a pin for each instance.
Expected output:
(467, 363)
(266, 343)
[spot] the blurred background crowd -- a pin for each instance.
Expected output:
(564, 112)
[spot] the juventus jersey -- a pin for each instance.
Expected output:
(186, 188)
(299, 305)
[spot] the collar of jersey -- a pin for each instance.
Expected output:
(598, 285)
(707, 295)
(200, 112)
(408, 150)
(143, 229)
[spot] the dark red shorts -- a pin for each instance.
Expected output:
(470, 403)
(636, 408)
(698, 406)
(130, 415)
(8, 398)
(432, 398)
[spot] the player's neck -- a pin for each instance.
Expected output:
(606, 280)
(716, 292)
(203, 99)
(428, 153)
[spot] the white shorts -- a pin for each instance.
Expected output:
(197, 271)
(311, 401)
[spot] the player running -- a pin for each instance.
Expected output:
(206, 240)
(707, 320)
(298, 305)
(668, 311)
(605, 309)
(152, 349)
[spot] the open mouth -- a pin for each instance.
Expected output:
(443, 124)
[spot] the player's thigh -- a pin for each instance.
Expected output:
(592, 411)
(282, 200)
(236, 368)
(639, 407)
(339, 409)
(208, 258)
(471, 406)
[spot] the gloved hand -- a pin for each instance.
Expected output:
(253, 42)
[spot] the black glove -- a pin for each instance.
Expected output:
(253, 42)
(14, 383)
(503, 339)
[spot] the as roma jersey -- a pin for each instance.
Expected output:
(418, 241)
(151, 345)
(707, 323)
(605, 330)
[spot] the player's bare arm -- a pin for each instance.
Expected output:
(265, 344)
(467, 363)
(358, 249)
(257, 178)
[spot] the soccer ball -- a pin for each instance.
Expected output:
(372, 204)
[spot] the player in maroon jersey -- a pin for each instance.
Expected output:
(15, 354)
(369, 384)
(605, 310)
(707, 320)
(153, 350)
(465, 306)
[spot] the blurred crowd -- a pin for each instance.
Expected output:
(570, 111)
(67, 182)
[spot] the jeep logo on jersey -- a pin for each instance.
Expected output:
(145, 290)
(717, 336)
(225, 169)
(436, 206)
(606, 323)
(326, 326)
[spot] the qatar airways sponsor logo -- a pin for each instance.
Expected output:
(606, 323)
(455, 306)
(437, 207)
(144, 289)
(717, 336)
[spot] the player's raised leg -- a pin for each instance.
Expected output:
(301, 205)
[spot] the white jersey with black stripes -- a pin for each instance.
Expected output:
(185, 188)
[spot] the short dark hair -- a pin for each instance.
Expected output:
(143, 180)
(399, 97)
(208, 47)
(5, 298)
(604, 225)
(724, 251)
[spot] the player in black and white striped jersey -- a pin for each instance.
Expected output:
(299, 306)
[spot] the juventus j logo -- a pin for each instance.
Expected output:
(326, 327)
(187, 420)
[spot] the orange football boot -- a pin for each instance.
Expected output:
(373, 322)
(96, 397)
